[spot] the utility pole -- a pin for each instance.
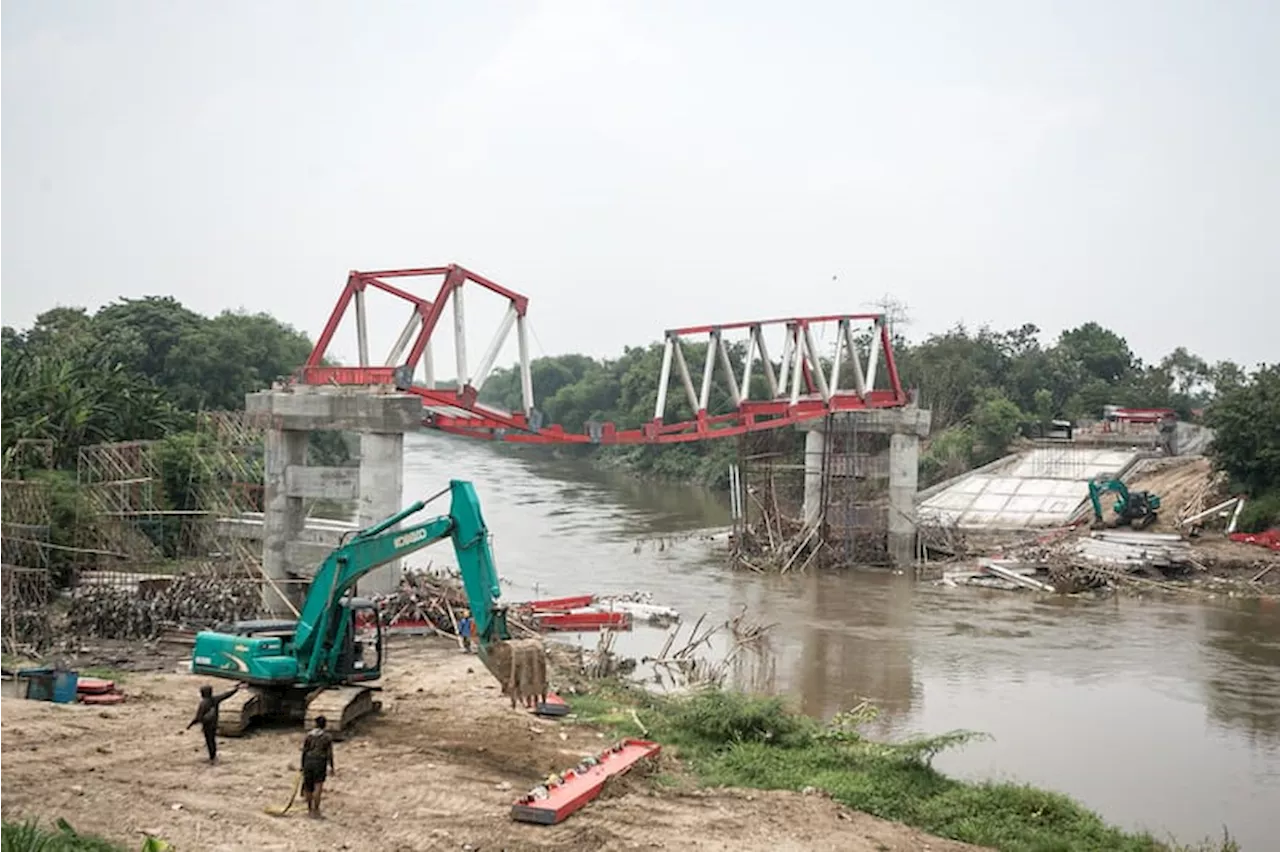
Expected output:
(894, 310)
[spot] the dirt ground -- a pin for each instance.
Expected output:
(438, 769)
(1237, 564)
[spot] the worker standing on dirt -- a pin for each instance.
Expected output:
(207, 716)
(464, 630)
(317, 762)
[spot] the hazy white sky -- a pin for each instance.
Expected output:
(634, 166)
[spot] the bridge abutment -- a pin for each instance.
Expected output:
(381, 418)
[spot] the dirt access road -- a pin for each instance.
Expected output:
(438, 769)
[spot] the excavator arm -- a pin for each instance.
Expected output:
(306, 653)
(382, 543)
(1098, 487)
(1136, 508)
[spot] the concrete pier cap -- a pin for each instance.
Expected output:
(884, 421)
(905, 427)
(381, 416)
(312, 408)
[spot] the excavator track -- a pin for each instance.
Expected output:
(341, 706)
(237, 712)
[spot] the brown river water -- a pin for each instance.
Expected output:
(1161, 715)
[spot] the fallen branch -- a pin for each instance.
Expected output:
(636, 717)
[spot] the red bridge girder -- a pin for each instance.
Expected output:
(802, 385)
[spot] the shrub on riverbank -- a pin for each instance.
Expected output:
(726, 739)
(30, 836)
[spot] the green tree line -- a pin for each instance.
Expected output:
(137, 369)
(983, 387)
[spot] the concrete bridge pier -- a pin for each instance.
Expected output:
(381, 418)
(904, 428)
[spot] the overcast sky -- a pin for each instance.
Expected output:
(638, 166)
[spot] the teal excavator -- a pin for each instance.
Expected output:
(1138, 509)
(317, 665)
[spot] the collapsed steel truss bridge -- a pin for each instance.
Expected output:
(803, 384)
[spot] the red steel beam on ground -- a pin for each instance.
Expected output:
(578, 786)
(805, 384)
(583, 621)
(557, 604)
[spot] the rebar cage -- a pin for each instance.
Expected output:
(845, 477)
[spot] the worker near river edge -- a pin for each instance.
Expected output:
(317, 762)
(207, 716)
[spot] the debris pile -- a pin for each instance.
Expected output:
(788, 544)
(999, 574)
(110, 612)
(1104, 558)
(1135, 551)
(24, 610)
(28, 630)
(641, 607)
(431, 598)
(576, 665)
(680, 669)
(435, 600)
(604, 662)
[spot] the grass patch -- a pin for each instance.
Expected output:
(10, 662)
(13, 663)
(30, 836)
(727, 739)
(105, 673)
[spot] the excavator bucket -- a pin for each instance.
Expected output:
(520, 665)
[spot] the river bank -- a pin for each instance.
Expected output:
(1177, 695)
(438, 769)
(449, 754)
(725, 739)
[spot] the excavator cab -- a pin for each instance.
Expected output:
(360, 640)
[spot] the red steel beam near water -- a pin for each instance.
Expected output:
(805, 383)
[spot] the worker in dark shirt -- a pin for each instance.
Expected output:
(317, 761)
(207, 716)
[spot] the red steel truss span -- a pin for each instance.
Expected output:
(854, 370)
